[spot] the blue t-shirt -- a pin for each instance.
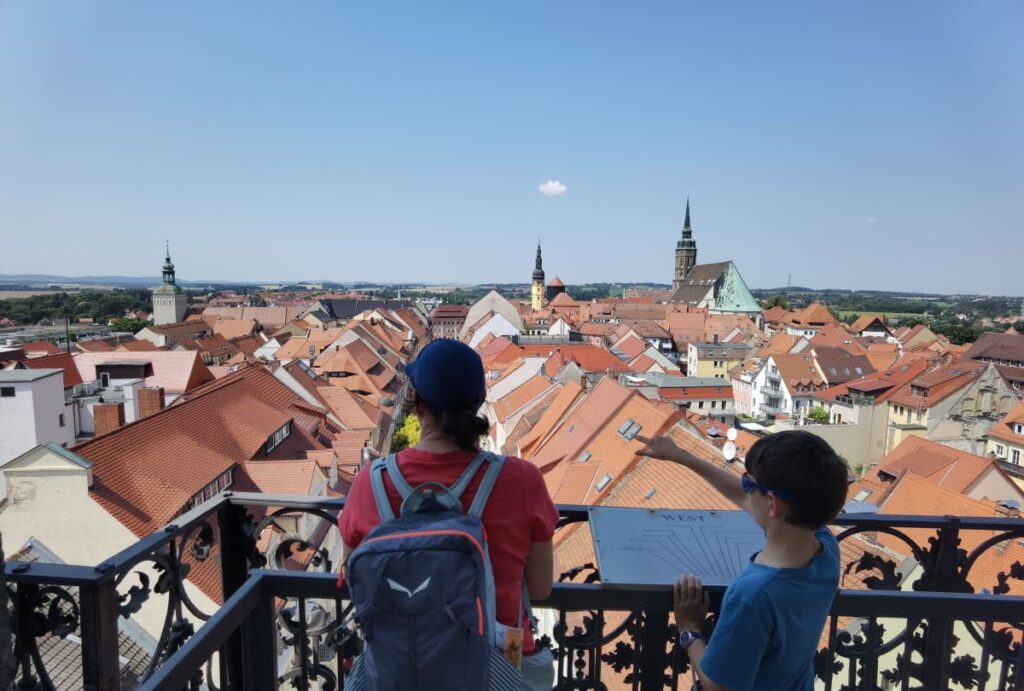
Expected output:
(771, 623)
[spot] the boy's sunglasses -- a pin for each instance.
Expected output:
(750, 485)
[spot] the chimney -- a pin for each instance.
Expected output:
(714, 339)
(108, 417)
(151, 400)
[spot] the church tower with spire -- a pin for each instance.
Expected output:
(537, 289)
(686, 252)
(169, 302)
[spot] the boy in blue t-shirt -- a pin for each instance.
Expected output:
(774, 612)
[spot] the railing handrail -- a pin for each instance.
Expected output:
(140, 551)
(263, 585)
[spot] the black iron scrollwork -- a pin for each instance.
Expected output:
(39, 612)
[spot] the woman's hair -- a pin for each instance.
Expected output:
(461, 424)
(464, 426)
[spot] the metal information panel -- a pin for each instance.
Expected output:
(652, 548)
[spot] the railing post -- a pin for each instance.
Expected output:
(259, 633)
(234, 569)
(653, 650)
(101, 669)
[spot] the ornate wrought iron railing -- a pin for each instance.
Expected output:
(929, 621)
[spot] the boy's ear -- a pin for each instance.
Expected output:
(776, 507)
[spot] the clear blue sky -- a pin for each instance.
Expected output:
(869, 144)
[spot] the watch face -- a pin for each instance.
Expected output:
(686, 638)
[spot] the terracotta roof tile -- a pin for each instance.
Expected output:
(561, 404)
(864, 321)
(590, 358)
(1004, 429)
(521, 396)
(943, 465)
(176, 371)
(585, 479)
(293, 476)
(61, 360)
(146, 471)
(588, 416)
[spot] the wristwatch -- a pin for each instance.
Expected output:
(686, 638)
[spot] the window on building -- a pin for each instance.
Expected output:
(585, 457)
(625, 426)
(1015, 457)
(1000, 451)
(279, 436)
(603, 482)
(701, 405)
(60, 419)
(714, 404)
(1018, 428)
(6, 392)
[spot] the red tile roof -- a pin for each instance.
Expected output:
(938, 384)
(562, 403)
(865, 320)
(575, 480)
(798, 369)
(293, 476)
(1004, 428)
(176, 371)
(585, 419)
(590, 358)
(60, 360)
(521, 396)
(945, 466)
(40, 348)
(146, 471)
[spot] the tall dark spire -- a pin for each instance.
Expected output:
(686, 252)
(538, 267)
(168, 265)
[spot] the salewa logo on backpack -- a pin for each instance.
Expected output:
(402, 589)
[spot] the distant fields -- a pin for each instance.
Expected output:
(843, 314)
(18, 294)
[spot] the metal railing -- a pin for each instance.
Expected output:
(927, 621)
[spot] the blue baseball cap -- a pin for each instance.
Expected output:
(448, 375)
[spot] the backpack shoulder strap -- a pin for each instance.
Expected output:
(380, 492)
(494, 465)
(467, 475)
(397, 479)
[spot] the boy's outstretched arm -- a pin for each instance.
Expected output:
(727, 484)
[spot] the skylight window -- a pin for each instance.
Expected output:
(625, 426)
(585, 457)
(603, 482)
(633, 431)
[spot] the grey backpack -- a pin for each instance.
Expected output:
(422, 589)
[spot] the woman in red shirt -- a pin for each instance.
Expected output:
(520, 518)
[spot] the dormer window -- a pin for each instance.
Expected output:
(279, 436)
(919, 391)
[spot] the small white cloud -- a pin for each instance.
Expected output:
(872, 219)
(552, 188)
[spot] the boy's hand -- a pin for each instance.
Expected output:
(659, 447)
(690, 603)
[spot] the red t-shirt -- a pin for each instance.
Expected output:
(518, 513)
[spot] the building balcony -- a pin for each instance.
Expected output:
(922, 625)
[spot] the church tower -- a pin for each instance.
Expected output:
(169, 302)
(686, 252)
(537, 289)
